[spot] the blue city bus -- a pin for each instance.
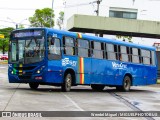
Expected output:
(45, 56)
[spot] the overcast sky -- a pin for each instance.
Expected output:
(17, 11)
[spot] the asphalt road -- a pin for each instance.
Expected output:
(19, 97)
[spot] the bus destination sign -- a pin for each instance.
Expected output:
(28, 33)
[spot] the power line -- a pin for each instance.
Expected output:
(16, 9)
(67, 6)
(12, 22)
(75, 5)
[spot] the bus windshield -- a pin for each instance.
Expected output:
(27, 51)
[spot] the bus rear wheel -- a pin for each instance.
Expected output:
(126, 84)
(33, 86)
(97, 87)
(66, 86)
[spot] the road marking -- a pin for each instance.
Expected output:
(14, 92)
(75, 104)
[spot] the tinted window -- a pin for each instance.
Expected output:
(153, 58)
(83, 43)
(97, 50)
(124, 54)
(69, 48)
(146, 56)
(111, 51)
(54, 51)
(83, 48)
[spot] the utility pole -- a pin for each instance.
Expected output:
(97, 12)
(51, 14)
(98, 3)
(16, 26)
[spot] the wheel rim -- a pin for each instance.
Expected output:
(127, 84)
(68, 82)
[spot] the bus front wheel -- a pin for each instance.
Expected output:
(97, 87)
(33, 86)
(126, 84)
(66, 86)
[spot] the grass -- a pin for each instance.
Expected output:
(3, 61)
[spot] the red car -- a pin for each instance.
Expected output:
(4, 57)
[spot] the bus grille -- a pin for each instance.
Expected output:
(25, 68)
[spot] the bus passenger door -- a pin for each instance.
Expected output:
(84, 62)
(54, 60)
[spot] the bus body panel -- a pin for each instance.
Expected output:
(54, 72)
(102, 72)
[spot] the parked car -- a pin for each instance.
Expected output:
(4, 57)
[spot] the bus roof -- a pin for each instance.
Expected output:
(95, 38)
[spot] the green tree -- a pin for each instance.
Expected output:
(21, 26)
(125, 38)
(4, 45)
(60, 20)
(5, 41)
(42, 18)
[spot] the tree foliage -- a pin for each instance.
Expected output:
(21, 26)
(42, 18)
(4, 42)
(125, 38)
(60, 20)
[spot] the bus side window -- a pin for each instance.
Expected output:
(153, 57)
(146, 55)
(69, 46)
(54, 51)
(124, 54)
(135, 56)
(110, 49)
(83, 48)
(98, 51)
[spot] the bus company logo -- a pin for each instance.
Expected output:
(66, 61)
(9, 65)
(119, 66)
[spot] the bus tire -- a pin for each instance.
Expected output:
(33, 86)
(97, 87)
(126, 84)
(66, 86)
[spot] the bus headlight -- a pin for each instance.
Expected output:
(40, 70)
